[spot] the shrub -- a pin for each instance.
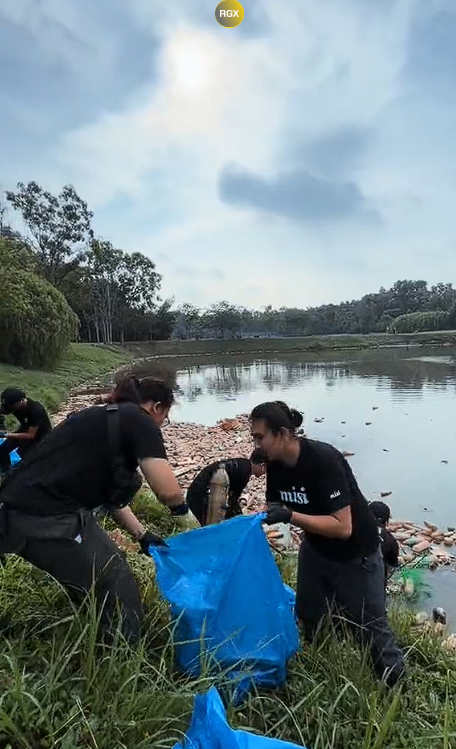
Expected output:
(36, 323)
(415, 322)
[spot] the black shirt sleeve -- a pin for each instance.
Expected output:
(390, 548)
(200, 483)
(239, 471)
(143, 439)
(332, 482)
(36, 416)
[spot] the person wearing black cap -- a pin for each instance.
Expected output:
(239, 471)
(91, 460)
(34, 425)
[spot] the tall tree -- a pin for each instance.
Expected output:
(59, 226)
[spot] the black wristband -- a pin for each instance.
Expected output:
(178, 510)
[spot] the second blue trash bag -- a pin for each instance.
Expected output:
(14, 455)
(209, 729)
(231, 608)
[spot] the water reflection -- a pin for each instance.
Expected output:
(404, 374)
(395, 410)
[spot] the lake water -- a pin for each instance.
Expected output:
(412, 430)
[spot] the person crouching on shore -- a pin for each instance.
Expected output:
(91, 459)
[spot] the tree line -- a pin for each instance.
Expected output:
(407, 307)
(61, 282)
(59, 263)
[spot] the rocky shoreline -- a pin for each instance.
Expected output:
(192, 446)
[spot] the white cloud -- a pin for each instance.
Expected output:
(220, 97)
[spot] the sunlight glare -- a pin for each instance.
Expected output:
(191, 66)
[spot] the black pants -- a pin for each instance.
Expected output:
(358, 589)
(23, 447)
(80, 555)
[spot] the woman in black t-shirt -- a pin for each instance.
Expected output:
(310, 484)
(91, 459)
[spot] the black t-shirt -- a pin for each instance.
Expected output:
(239, 471)
(390, 548)
(72, 468)
(34, 414)
(322, 483)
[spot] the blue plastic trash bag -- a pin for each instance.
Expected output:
(291, 596)
(14, 456)
(209, 729)
(232, 610)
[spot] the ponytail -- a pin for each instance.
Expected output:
(131, 389)
(277, 416)
(127, 390)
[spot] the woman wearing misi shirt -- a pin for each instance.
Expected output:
(310, 484)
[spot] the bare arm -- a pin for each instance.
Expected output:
(161, 479)
(30, 434)
(337, 525)
(129, 522)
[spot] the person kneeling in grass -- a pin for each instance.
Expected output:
(310, 484)
(34, 425)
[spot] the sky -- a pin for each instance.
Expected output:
(305, 157)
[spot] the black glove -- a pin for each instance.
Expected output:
(150, 539)
(178, 510)
(278, 514)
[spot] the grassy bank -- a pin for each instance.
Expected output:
(276, 345)
(82, 363)
(59, 689)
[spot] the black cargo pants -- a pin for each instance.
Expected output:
(357, 588)
(80, 555)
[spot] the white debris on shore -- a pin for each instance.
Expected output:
(190, 447)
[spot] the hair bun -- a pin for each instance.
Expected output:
(296, 417)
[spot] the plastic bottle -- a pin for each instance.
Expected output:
(219, 489)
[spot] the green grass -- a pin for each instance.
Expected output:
(59, 688)
(82, 363)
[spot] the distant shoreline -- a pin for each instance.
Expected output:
(267, 346)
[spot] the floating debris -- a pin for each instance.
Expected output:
(386, 494)
(445, 461)
(319, 421)
(385, 450)
(424, 543)
(375, 408)
(346, 454)
(368, 423)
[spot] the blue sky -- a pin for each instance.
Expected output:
(307, 156)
